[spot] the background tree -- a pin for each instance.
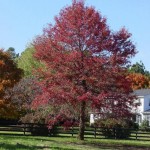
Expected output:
(27, 62)
(139, 81)
(9, 75)
(85, 64)
(21, 96)
(139, 67)
(139, 76)
(12, 53)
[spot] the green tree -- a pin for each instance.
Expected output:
(139, 67)
(27, 62)
(12, 53)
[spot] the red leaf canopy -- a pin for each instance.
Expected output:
(84, 62)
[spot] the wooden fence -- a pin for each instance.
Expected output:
(90, 132)
(102, 133)
(25, 129)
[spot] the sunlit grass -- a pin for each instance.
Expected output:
(17, 142)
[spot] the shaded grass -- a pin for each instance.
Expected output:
(61, 142)
(42, 143)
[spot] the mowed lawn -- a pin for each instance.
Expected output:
(16, 142)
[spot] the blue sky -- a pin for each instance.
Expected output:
(22, 20)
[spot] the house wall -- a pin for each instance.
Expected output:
(91, 119)
(139, 109)
(144, 105)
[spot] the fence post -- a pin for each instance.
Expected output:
(24, 129)
(72, 131)
(105, 130)
(95, 132)
(115, 136)
(136, 134)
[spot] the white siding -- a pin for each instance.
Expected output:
(139, 109)
(91, 119)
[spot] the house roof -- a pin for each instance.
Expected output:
(146, 112)
(142, 92)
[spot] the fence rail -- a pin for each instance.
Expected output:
(92, 132)
(25, 129)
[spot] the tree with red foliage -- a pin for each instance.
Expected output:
(85, 64)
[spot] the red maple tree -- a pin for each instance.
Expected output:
(84, 65)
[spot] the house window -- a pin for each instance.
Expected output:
(147, 117)
(138, 119)
(139, 101)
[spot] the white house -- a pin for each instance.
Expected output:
(142, 112)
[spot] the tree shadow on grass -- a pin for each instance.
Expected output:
(36, 138)
(7, 136)
(26, 147)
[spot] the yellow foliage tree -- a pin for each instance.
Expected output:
(139, 81)
(9, 75)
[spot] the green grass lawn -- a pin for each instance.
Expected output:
(16, 142)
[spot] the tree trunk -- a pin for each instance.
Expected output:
(82, 121)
